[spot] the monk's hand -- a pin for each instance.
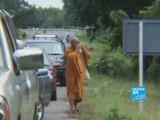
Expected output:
(79, 47)
(82, 47)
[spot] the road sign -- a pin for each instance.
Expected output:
(138, 93)
(151, 37)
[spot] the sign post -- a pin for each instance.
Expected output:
(141, 61)
(139, 93)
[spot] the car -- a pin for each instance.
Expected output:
(52, 70)
(19, 86)
(48, 37)
(55, 52)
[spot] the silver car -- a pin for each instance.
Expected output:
(19, 86)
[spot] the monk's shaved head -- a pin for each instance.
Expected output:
(74, 39)
(74, 42)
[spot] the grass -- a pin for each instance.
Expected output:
(107, 97)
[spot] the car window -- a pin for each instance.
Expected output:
(8, 37)
(2, 64)
(50, 48)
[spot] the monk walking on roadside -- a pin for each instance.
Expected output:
(77, 58)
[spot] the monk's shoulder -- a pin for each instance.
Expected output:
(69, 49)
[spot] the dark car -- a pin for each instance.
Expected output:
(55, 52)
(52, 70)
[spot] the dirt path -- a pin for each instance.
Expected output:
(58, 110)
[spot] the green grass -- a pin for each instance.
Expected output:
(106, 97)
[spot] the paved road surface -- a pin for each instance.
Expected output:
(58, 110)
(59, 32)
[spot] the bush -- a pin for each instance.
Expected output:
(107, 60)
(154, 70)
(113, 114)
(115, 63)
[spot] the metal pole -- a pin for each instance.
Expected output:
(140, 61)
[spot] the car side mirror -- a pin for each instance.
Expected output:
(28, 59)
(42, 72)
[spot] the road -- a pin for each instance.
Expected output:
(59, 32)
(58, 110)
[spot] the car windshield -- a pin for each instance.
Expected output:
(49, 47)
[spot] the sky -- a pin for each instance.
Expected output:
(46, 3)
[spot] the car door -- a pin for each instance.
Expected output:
(29, 93)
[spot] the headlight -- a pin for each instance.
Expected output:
(4, 109)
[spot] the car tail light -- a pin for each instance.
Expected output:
(4, 109)
(59, 65)
(62, 64)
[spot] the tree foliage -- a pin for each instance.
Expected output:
(14, 6)
(96, 12)
(50, 18)
(26, 15)
(151, 11)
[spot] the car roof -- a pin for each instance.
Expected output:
(45, 35)
(44, 41)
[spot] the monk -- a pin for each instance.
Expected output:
(77, 58)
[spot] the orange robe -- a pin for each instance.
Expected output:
(75, 73)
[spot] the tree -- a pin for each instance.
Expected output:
(151, 11)
(93, 12)
(50, 17)
(25, 18)
(153, 65)
(13, 6)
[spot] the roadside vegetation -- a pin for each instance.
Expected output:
(107, 94)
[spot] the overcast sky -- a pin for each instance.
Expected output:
(46, 3)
